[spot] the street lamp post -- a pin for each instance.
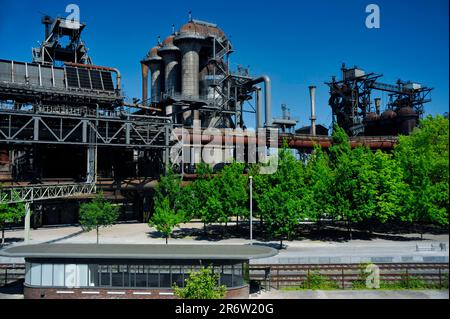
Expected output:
(251, 209)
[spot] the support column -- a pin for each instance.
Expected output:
(91, 164)
(27, 237)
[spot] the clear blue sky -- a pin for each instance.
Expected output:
(296, 43)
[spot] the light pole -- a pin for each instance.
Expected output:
(251, 209)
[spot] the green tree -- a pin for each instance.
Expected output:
(201, 285)
(318, 194)
(10, 213)
(165, 219)
(206, 196)
(424, 159)
(98, 213)
(232, 185)
(169, 187)
(281, 201)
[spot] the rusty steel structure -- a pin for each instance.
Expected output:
(355, 111)
(67, 130)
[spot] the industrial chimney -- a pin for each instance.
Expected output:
(377, 105)
(312, 94)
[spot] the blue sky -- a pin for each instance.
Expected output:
(296, 43)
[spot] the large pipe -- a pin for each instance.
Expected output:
(312, 94)
(267, 96)
(144, 68)
(259, 120)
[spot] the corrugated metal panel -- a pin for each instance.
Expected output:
(33, 74)
(96, 80)
(46, 74)
(85, 81)
(5, 71)
(72, 77)
(59, 78)
(107, 81)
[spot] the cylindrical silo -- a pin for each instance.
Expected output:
(153, 62)
(170, 55)
(190, 68)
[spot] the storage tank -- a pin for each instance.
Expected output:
(372, 124)
(387, 123)
(406, 120)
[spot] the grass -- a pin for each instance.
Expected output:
(315, 281)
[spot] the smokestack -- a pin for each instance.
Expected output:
(312, 94)
(377, 105)
(47, 22)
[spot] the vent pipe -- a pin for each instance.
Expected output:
(267, 96)
(259, 119)
(312, 94)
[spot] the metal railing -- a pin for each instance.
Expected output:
(345, 275)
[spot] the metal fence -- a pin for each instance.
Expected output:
(10, 273)
(345, 276)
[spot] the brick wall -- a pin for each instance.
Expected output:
(106, 293)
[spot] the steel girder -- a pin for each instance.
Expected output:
(22, 127)
(33, 193)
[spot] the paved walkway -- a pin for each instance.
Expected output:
(353, 294)
(302, 251)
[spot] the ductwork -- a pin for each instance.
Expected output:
(267, 96)
(259, 120)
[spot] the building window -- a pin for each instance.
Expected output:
(58, 275)
(47, 275)
(153, 276)
(126, 276)
(35, 274)
(104, 275)
(117, 276)
(70, 275)
(165, 277)
(141, 276)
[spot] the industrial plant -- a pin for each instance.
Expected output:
(66, 130)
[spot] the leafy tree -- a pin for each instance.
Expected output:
(319, 179)
(10, 213)
(344, 186)
(169, 187)
(201, 285)
(233, 190)
(424, 159)
(282, 202)
(98, 213)
(206, 196)
(165, 219)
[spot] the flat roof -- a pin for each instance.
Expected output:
(131, 251)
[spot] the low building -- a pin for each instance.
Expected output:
(61, 271)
